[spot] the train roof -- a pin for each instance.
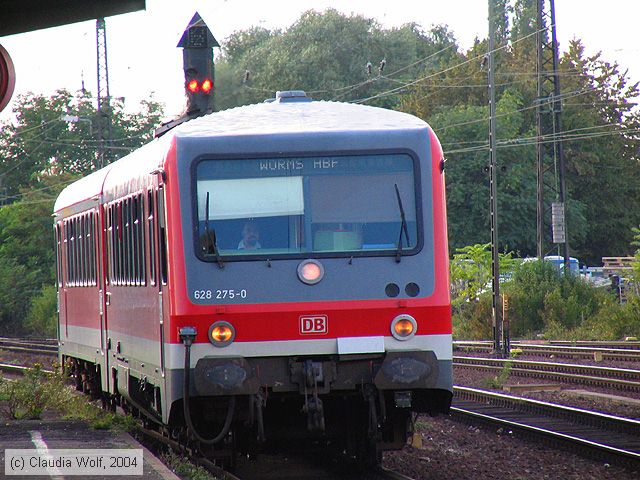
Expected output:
(284, 116)
(298, 117)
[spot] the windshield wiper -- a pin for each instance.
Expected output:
(211, 245)
(403, 226)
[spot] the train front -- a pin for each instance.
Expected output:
(314, 296)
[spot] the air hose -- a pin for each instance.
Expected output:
(188, 335)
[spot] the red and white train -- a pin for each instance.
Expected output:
(274, 270)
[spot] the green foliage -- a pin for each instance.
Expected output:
(39, 155)
(26, 257)
(498, 382)
(27, 397)
(474, 321)
(42, 319)
(326, 55)
(543, 299)
(39, 391)
(184, 468)
(471, 272)
(613, 321)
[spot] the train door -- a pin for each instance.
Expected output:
(156, 228)
(61, 297)
(99, 263)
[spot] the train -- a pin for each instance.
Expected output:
(272, 272)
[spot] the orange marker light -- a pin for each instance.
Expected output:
(403, 327)
(221, 334)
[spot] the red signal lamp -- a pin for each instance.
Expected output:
(207, 86)
(193, 86)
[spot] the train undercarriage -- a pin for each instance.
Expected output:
(359, 423)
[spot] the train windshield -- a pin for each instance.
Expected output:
(326, 206)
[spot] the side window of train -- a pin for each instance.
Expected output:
(162, 230)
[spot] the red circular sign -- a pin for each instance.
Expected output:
(7, 78)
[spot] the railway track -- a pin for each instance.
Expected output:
(605, 437)
(560, 351)
(265, 467)
(294, 465)
(615, 378)
(20, 345)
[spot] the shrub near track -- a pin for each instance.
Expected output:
(543, 301)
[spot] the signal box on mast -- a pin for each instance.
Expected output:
(197, 43)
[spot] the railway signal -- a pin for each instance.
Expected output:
(197, 43)
(7, 78)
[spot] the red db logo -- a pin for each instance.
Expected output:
(313, 325)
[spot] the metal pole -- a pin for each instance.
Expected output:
(539, 132)
(557, 110)
(493, 184)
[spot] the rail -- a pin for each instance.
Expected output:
(583, 430)
(559, 351)
(21, 345)
(616, 378)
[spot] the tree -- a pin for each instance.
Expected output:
(326, 54)
(600, 139)
(39, 155)
(41, 143)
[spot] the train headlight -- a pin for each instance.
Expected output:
(403, 327)
(310, 272)
(221, 334)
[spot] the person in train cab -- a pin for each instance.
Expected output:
(250, 237)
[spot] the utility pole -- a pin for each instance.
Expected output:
(493, 190)
(549, 152)
(104, 107)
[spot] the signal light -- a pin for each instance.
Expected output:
(7, 77)
(193, 86)
(207, 85)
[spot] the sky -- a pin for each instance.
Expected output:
(143, 57)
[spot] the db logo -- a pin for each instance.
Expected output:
(313, 325)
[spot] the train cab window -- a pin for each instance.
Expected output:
(340, 205)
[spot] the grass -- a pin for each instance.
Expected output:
(182, 467)
(498, 382)
(39, 391)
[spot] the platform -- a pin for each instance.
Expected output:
(73, 434)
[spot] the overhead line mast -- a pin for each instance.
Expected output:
(104, 104)
(550, 158)
(499, 347)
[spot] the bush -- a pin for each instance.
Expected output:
(474, 322)
(541, 299)
(42, 319)
(27, 397)
(612, 322)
